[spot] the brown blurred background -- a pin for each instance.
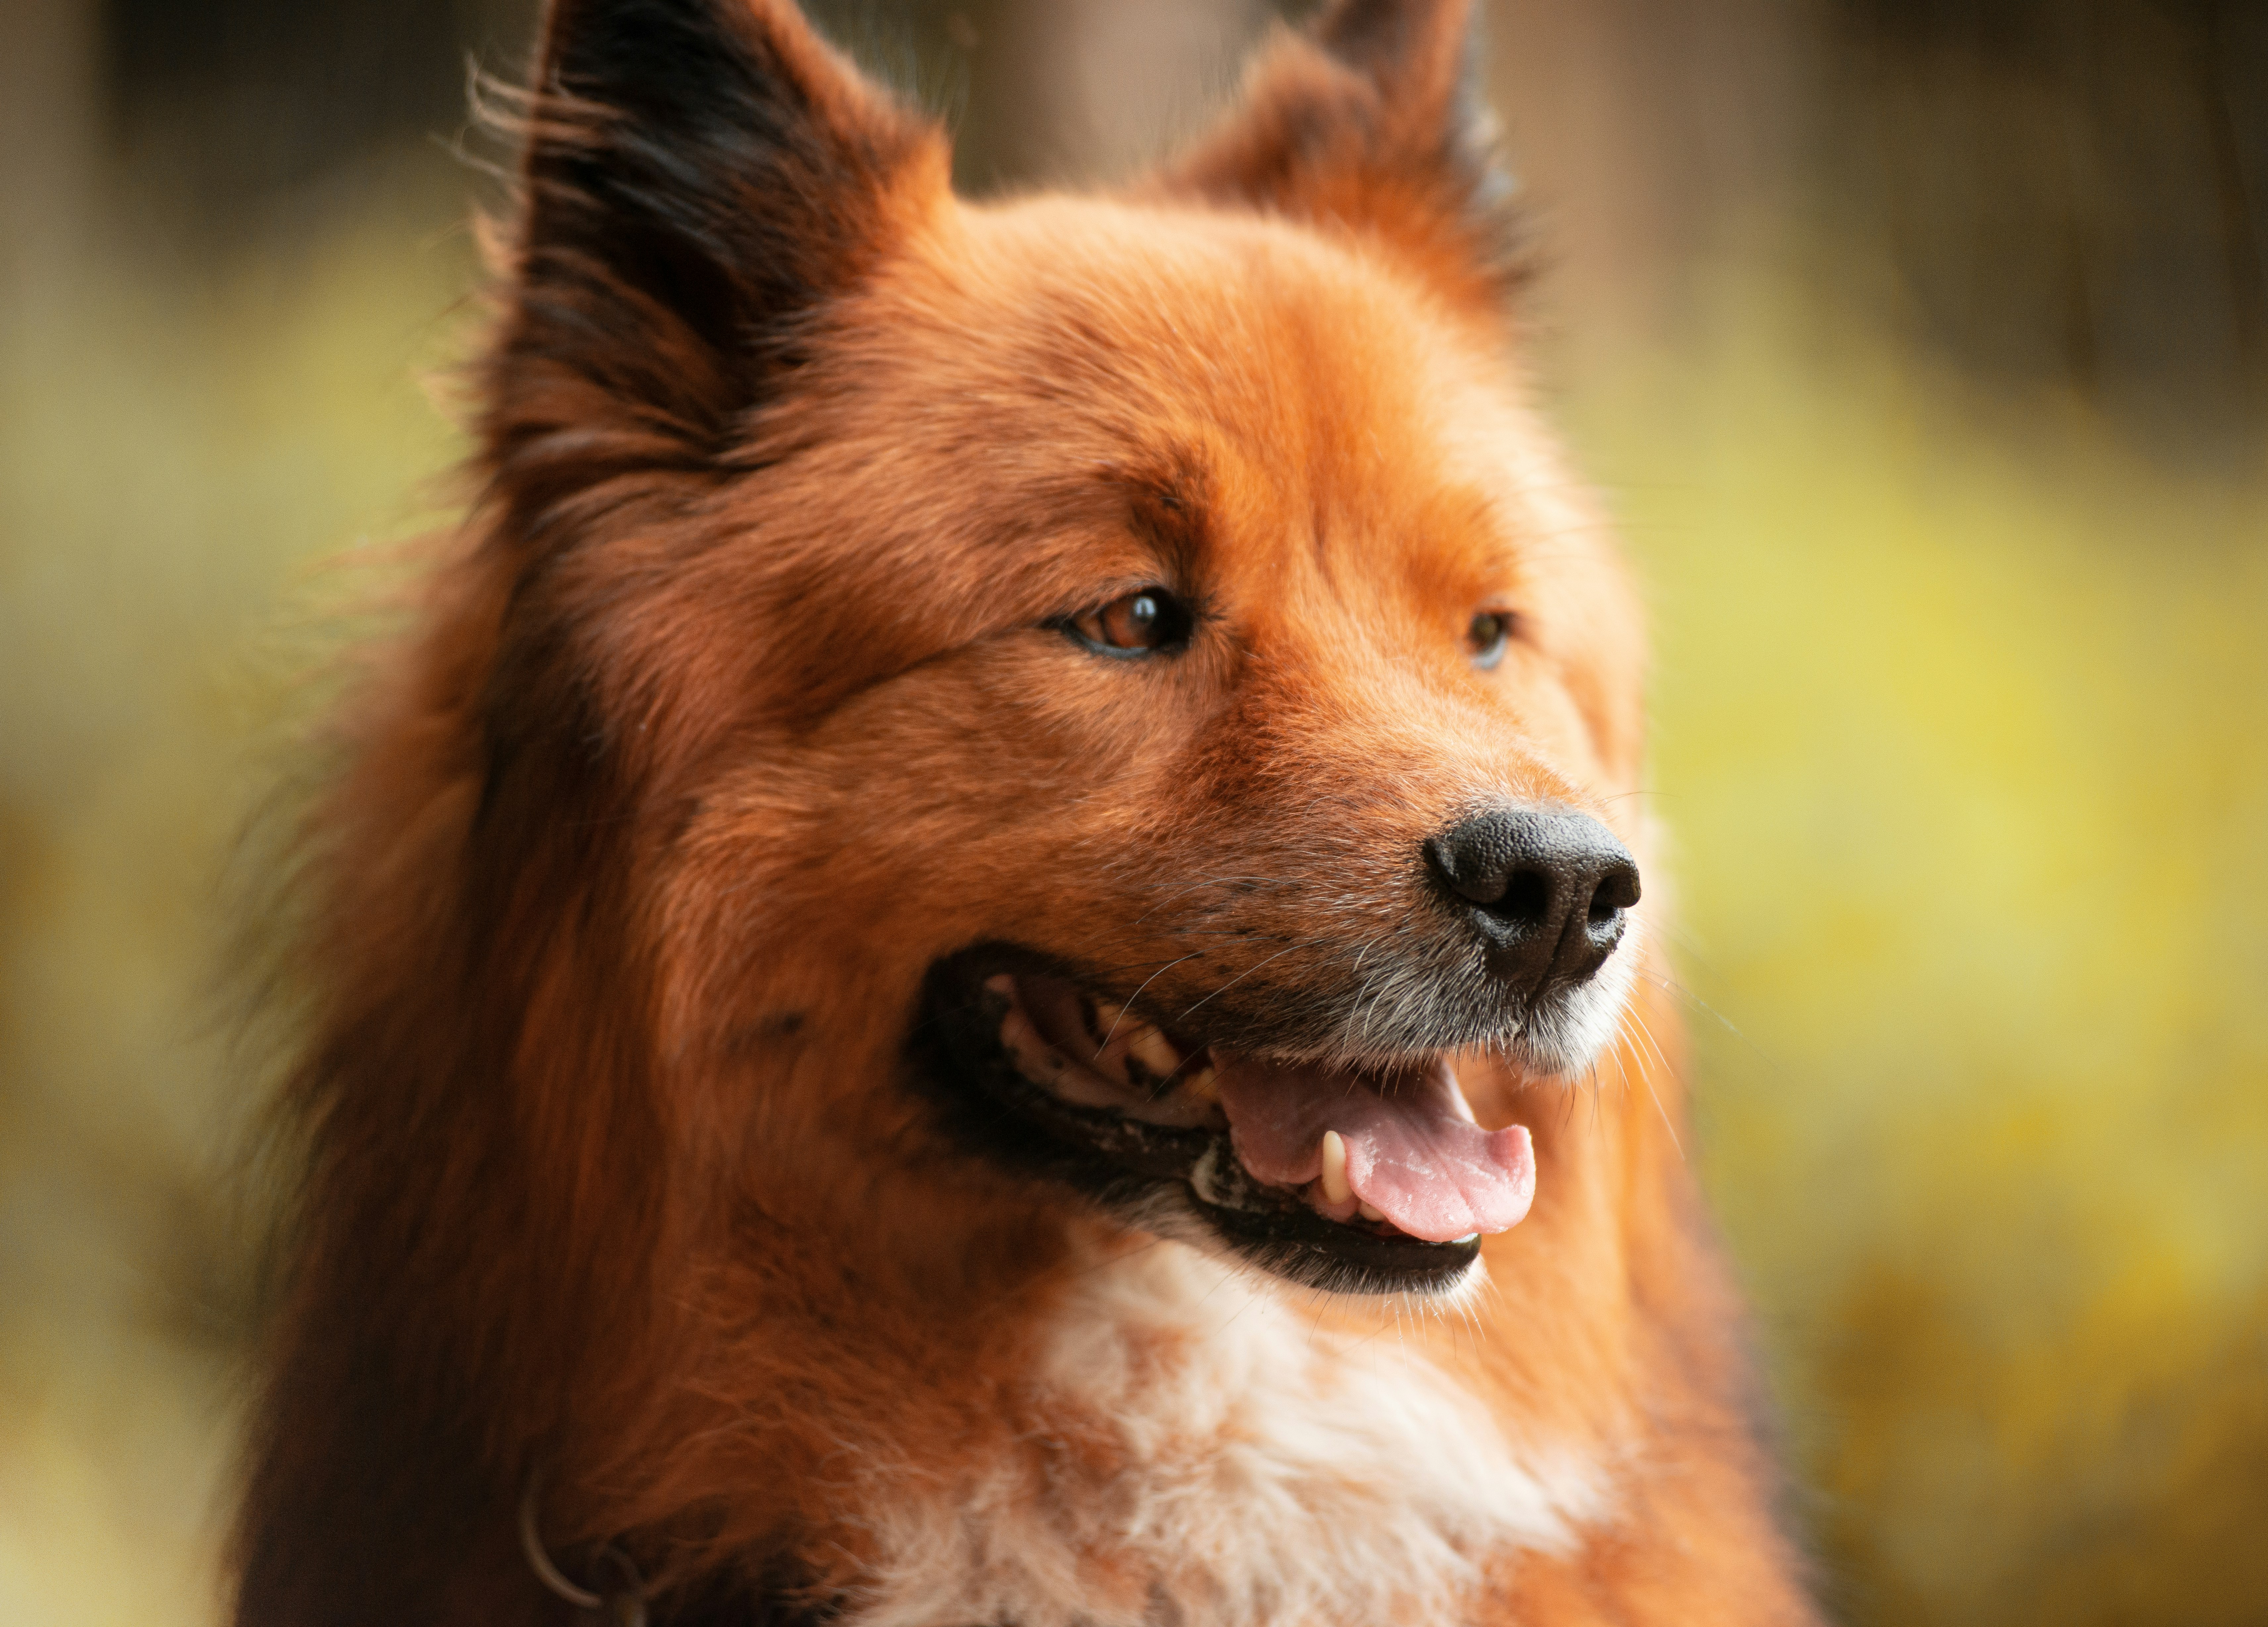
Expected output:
(1921, 348)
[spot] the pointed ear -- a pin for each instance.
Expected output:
(1372, 120)
(699, 176)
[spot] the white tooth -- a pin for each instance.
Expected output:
(1151, 1049)
(1205, 1177)
(1017, 1034)
(1202, 1082)
(1336, 1189)
(1369, 1211)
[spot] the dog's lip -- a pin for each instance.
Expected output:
(1397, 1151)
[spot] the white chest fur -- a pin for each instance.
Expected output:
(1195, 1453)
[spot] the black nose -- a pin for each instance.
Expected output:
(1547, 891)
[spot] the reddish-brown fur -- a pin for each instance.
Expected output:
(734, 710)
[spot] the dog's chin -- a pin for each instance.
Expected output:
(1045, 1072)
(1564, 1032)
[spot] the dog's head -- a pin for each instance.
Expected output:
(1113, 700)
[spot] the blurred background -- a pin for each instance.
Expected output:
(1920, 348)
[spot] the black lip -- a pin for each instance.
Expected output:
(1140, 1171)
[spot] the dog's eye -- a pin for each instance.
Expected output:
(1489, 632)
(1134, 624)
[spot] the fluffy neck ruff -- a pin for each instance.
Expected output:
(1196, 1449)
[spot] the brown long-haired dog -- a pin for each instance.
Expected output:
(986, 963)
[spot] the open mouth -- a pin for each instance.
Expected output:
(1370, 1179)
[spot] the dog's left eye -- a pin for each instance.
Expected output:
(1489, 632)
(1134, 624)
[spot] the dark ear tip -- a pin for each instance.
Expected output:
(696, 175)
(1388, 39)
(1372, 119)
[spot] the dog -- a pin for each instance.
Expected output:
(987, 961)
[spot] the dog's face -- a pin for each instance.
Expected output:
(1139, 706)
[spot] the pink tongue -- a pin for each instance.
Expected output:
(1413, 1150)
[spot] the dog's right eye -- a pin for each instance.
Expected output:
(1134, 624)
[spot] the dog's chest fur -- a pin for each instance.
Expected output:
(1196, 1452)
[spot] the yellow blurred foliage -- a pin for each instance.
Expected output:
(1961, 741)
(176, 451)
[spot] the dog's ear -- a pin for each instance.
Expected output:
(1372, 120)
(700, 176)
